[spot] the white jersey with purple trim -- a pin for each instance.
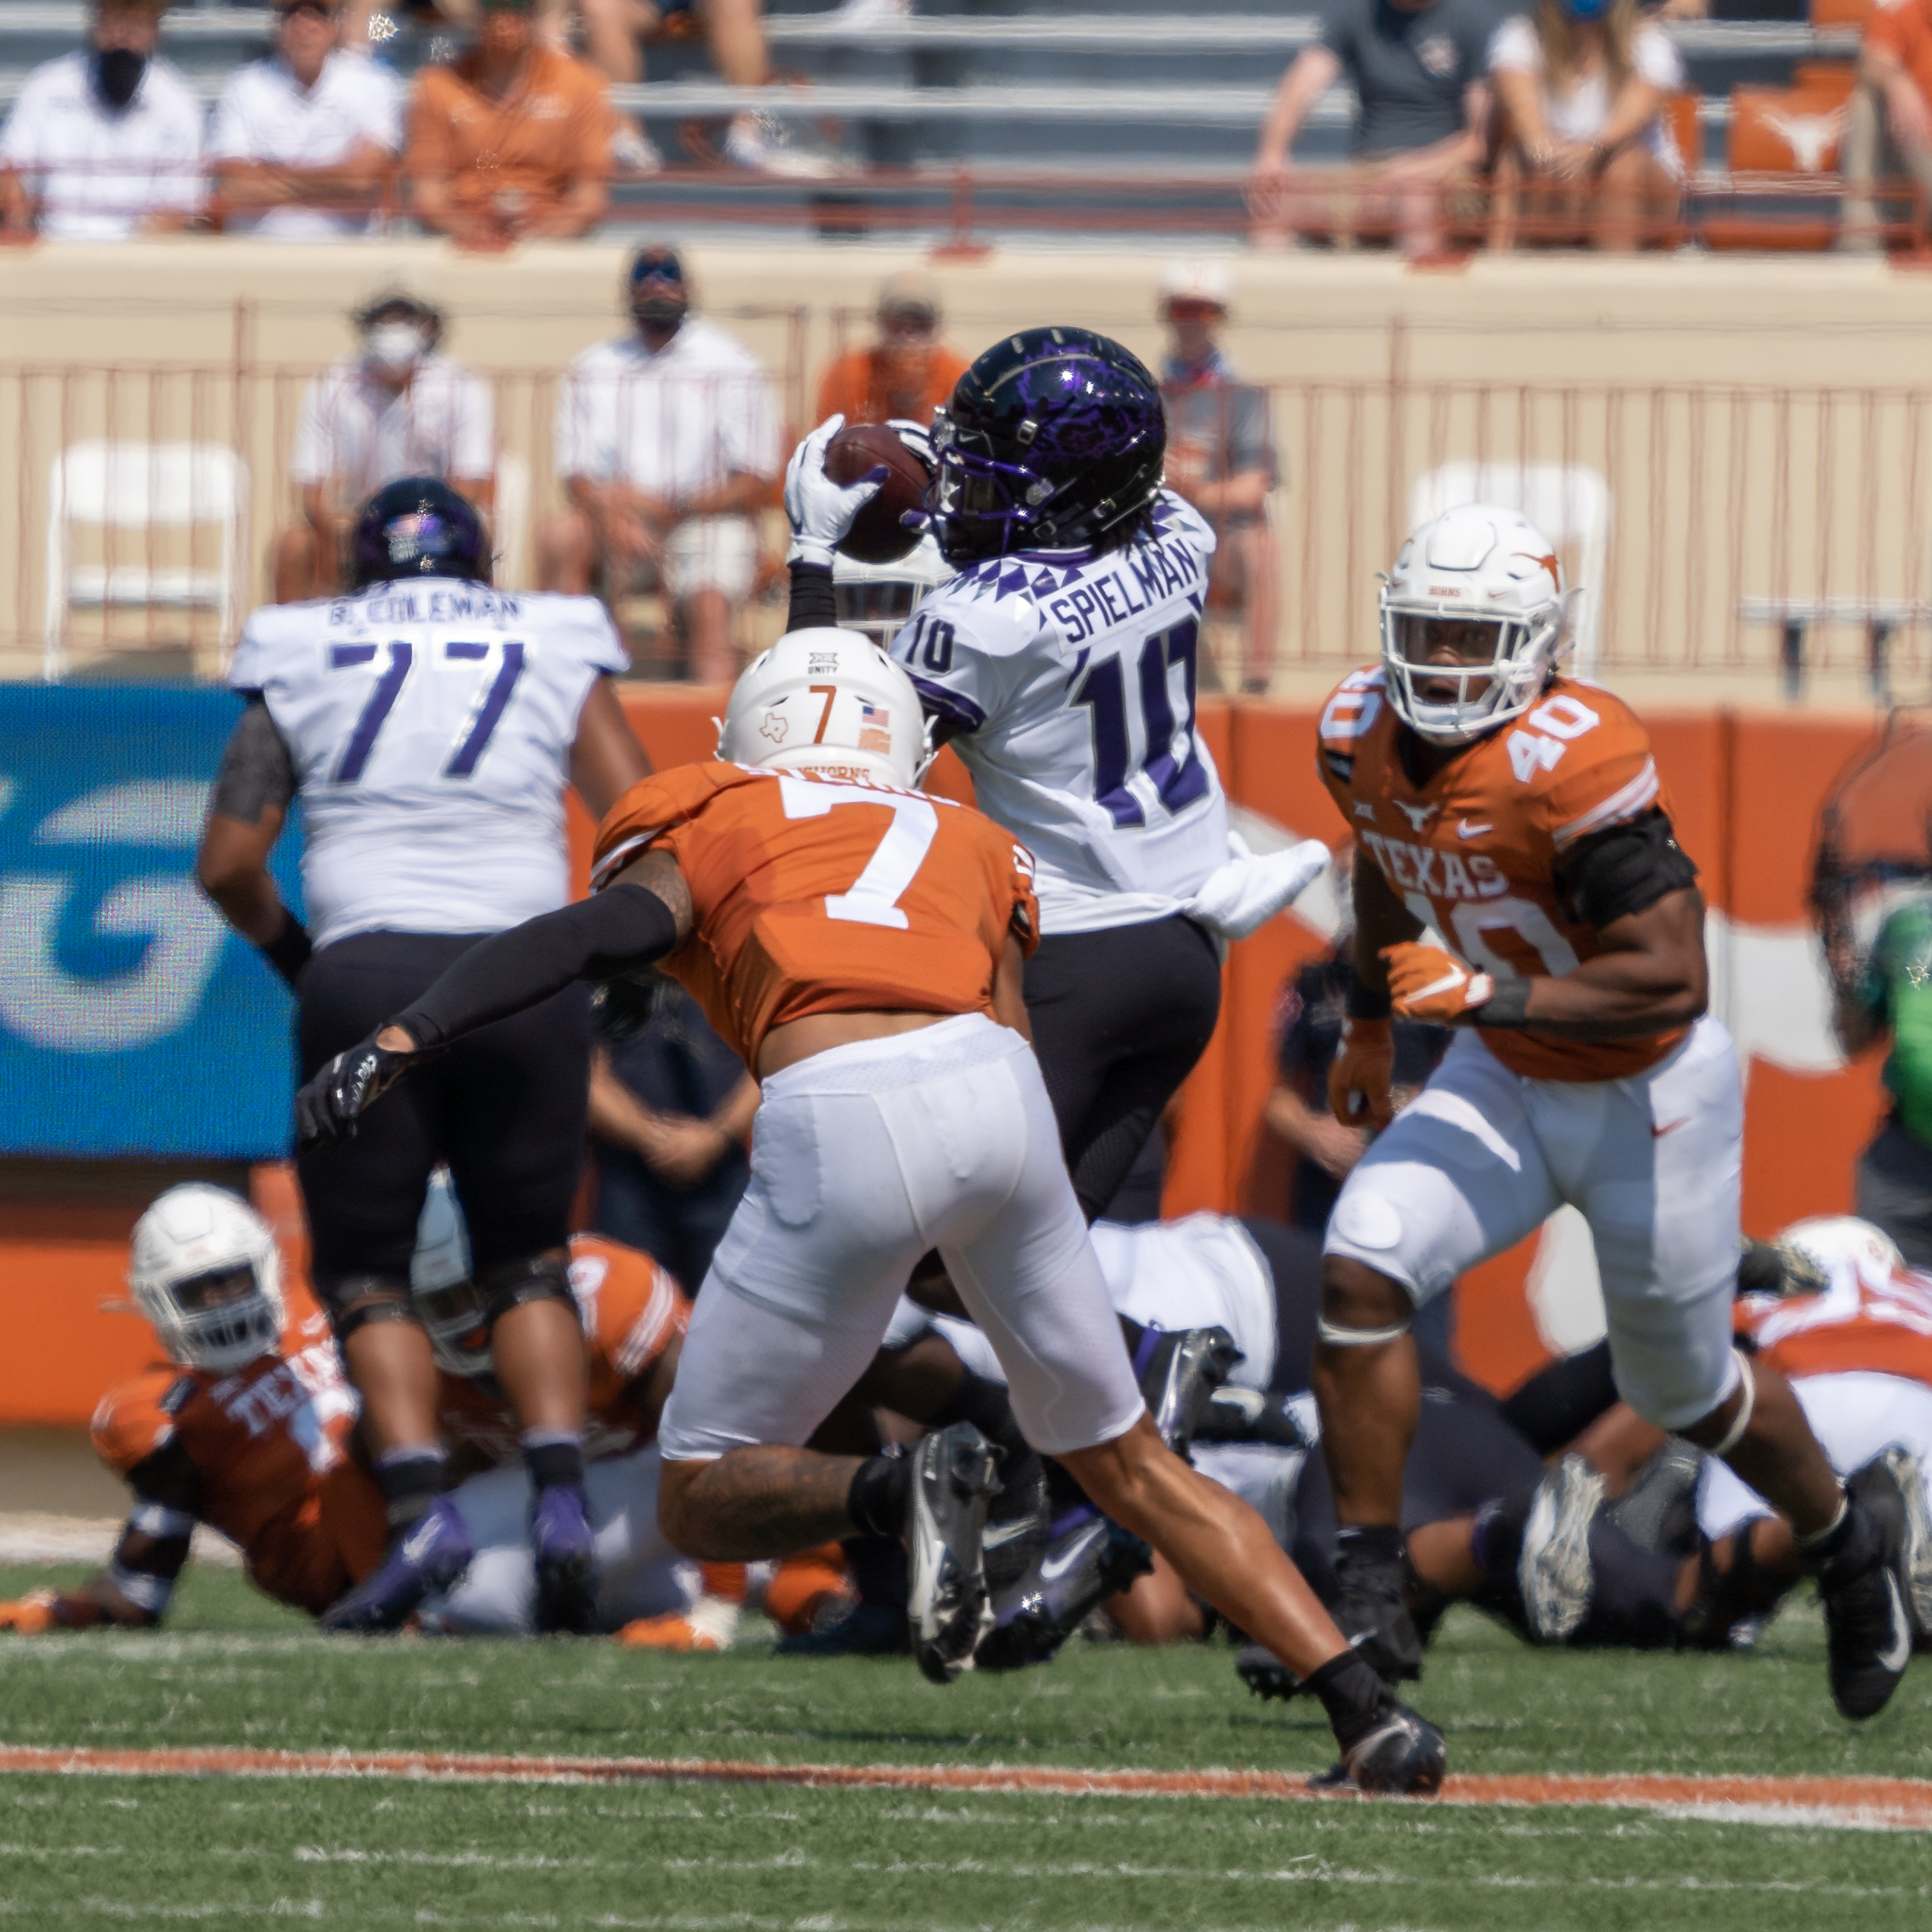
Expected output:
(1070, 678)
(430, 724)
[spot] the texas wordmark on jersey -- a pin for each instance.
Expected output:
(1473, 852)
(430, 724)
(1072, 679)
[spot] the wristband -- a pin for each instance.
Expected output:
(1508, 1005)
(1361, 1002)
(288, 951)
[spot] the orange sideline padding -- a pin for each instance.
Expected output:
(1745, 791)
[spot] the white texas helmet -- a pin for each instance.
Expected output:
(828, 701)
(448, 1303)
(1477, 564)
(1828, 1238)
(196, 1243)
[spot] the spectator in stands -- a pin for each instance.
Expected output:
(1418, 68)
(670, 1119)
(1583, 147)
(1220, 456)
(511, 141)
(908, 373)
(1888, 122)
(667, 443)
(395, 408)
(307, 136)
(107, 143)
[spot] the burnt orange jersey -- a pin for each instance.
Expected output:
(632, 1310)
(822, 895)
(1868, 1321)
(269, 1444)
(1474, 852)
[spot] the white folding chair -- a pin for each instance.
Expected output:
(510, 522)
(1567, 502)
(142, 486)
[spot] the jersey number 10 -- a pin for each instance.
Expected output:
(1178, 782)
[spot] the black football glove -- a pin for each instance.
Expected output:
(328, 1106)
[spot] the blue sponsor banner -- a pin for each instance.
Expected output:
(133, 1021)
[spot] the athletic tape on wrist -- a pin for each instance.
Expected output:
(1734, 1434)
(1337, 1337)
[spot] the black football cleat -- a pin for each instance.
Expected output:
(430, 1558)
(1403, 1756)
(1077, 1570)
(1264, 1674)
(865, 1630)
(947, 1607)
(1867, 1628)
(1553, 1571)
(1179, 1371)
(1915, 1555)
(1371, 1610)
(566, 1555)
(1659, 1510)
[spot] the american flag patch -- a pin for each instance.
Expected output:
(875, 714)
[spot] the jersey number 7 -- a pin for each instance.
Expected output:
(484, 716)
(873, 899)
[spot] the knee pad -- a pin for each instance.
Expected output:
(353, 1301)
(535, 1278)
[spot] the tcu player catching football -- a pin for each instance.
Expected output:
(430, 725)
(1059, 658)
(1516, 878)
(861, 945)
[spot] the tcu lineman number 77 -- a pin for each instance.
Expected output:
(485, 714)
(874, 897)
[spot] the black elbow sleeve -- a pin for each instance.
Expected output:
(1623, 870)
(814, 604)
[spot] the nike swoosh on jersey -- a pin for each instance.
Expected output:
(1465, 830)
(1670, 1127)
(1899, 1654)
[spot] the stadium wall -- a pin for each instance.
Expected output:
(1745, 788)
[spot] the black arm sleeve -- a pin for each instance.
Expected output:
(1558, 1404)
(609, 933)
(256, 770)
(813, 606)
(1623, 870)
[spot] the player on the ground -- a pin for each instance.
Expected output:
(430, 725)
(862, 946)
(246, 1428)
(1516, 878)
(1060, 661)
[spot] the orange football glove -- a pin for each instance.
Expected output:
(1430, 983)
(30, 1615)
(1361, 1075)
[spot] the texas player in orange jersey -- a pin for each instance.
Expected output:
(245, 1429)
(1516, 877)
(862, 945)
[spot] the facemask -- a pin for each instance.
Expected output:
(117, 74)
(659, 311)
(396, 345)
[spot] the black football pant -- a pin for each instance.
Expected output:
(507, 1108)
(1119, 1018)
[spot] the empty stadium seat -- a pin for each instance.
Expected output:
(1841, 13)
(1780, 137)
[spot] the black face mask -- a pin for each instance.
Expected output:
(659, 312)
(117, 74)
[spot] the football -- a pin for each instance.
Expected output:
(877, 535)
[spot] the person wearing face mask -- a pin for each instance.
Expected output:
(396, 407)
(908, 373)
(511, 141)
(107, 142)
(667, 442)
(305, 138)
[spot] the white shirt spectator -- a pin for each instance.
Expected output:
(358, 434)
(1579, 114)
(97, 174)
(675, 422)
(266, 115)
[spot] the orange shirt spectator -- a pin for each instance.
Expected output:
(908, 373)
(1905, 31)
(511, 140)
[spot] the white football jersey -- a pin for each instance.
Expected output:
(430, 723)
(1072, 679)
(1200, 1272)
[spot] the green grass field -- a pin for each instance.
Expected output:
(233, 1669)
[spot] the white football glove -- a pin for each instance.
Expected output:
(821, 511)
(1242, 896)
